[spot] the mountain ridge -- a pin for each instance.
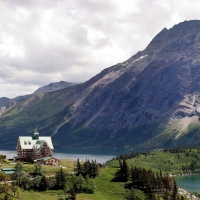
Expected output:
(6, 103)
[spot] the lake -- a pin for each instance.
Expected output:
(101, 156)
(189, 182)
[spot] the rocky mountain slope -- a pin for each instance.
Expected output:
(145, 102)
(5, 104)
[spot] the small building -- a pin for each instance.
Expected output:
(12, 172)
(48, 161)
(34, 147)
(8, 171)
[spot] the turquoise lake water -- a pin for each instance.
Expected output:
(189, 182)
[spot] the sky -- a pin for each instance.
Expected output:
(45, 41)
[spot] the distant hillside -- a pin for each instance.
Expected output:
(6, 103)
(54, 87)
(47, 88)
(173, 161)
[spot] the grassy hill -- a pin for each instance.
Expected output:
(172, 161)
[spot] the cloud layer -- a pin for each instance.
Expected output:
(44, 41)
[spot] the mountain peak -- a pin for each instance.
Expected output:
(177, 31)
(159, 40)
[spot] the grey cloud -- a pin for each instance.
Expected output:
(68, 54)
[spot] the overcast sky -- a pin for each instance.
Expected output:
(44, 41)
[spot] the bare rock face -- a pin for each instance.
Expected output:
(6, 104)
(33, 100)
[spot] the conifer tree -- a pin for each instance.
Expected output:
(125, 171)
(80, 182)
(175, 190)
(61, 179)
(44, 183)
(86, 168)
(78, 168)
(72, 194)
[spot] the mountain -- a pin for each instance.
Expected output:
(54, 87)
(152, 100)
(6, 103)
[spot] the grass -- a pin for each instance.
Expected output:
(33, 195)
(47, 169)
(166, 161)
(104, 187)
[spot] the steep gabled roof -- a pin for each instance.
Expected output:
(27, 142)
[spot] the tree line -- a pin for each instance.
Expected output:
(87, 168)
(153, 185)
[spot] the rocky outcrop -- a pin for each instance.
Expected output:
(6, 104)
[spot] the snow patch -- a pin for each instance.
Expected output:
(139, 58)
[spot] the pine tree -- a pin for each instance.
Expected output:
(125, 171)
(78, 168)
(44, 183)
(80, 181)
(86, 168)
(61, 179)
(175, 190)
(72, 194)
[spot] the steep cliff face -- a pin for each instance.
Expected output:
(144, 102)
